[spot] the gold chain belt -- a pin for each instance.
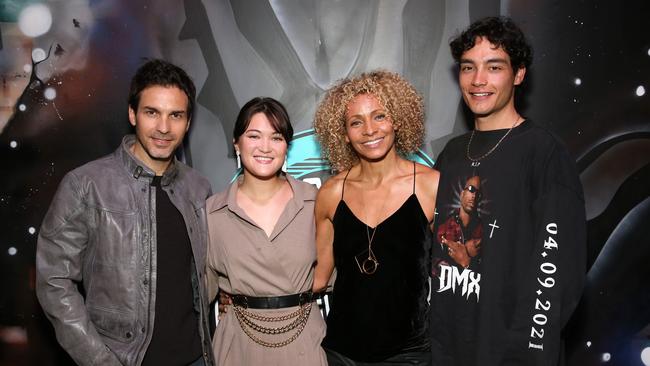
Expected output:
(247, 323)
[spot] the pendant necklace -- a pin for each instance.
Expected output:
(370, 264)
(477, 161)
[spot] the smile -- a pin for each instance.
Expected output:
(373, 143)
(161, 142)
(263, 159)
(485, 94)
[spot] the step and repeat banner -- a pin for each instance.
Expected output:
(66, 65)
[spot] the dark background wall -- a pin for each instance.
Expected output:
(65, 68)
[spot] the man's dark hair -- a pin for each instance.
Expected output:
(272, 109)
(161, 73)
(501, 32)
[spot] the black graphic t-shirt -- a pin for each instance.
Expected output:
(509, 250)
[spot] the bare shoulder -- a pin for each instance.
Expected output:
(427, 188)
(329, 195)
(333, 186)
(427, 177)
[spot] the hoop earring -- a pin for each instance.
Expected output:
(238, 160)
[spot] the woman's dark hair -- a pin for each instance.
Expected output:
(162, 73)
(272, 109)
(501, 32)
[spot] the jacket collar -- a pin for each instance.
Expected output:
(137, 169)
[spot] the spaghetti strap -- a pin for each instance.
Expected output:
(413, 177)
(344, 179)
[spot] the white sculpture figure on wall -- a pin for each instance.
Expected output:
(293, 51)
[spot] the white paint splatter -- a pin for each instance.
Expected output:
(31, 230)
(38, 54)
(22, 107)
(640, 91)
(49, 93)
(57, 111)
(577, 81)
(606, 357)
(12, 251)
(13, 144)
(35, 20)
(645, 356)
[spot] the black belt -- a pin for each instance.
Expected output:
(273, 302)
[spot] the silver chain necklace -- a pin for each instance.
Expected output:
(477, 161)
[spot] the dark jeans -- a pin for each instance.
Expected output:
(406, 359)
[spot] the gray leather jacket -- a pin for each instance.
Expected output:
(99, 235)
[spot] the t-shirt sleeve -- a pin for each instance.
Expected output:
(558, 265)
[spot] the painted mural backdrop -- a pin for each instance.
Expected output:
(65, 68)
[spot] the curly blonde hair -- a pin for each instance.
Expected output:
(400, 99)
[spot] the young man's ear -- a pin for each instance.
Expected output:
(519, 75)
(131, 116)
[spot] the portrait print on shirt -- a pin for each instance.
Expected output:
(459, 237)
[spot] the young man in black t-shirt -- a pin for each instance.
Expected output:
(504, 299)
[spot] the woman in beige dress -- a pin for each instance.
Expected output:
(261, 250)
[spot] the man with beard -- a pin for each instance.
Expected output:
(120, 258)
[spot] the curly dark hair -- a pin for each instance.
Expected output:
(501, 32)
(399, 98)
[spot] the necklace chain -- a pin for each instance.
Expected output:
(476, 161)
(370, 264)
(370, 237)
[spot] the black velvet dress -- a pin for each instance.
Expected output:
(380, 315)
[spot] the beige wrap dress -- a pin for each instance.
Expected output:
(242, 259)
